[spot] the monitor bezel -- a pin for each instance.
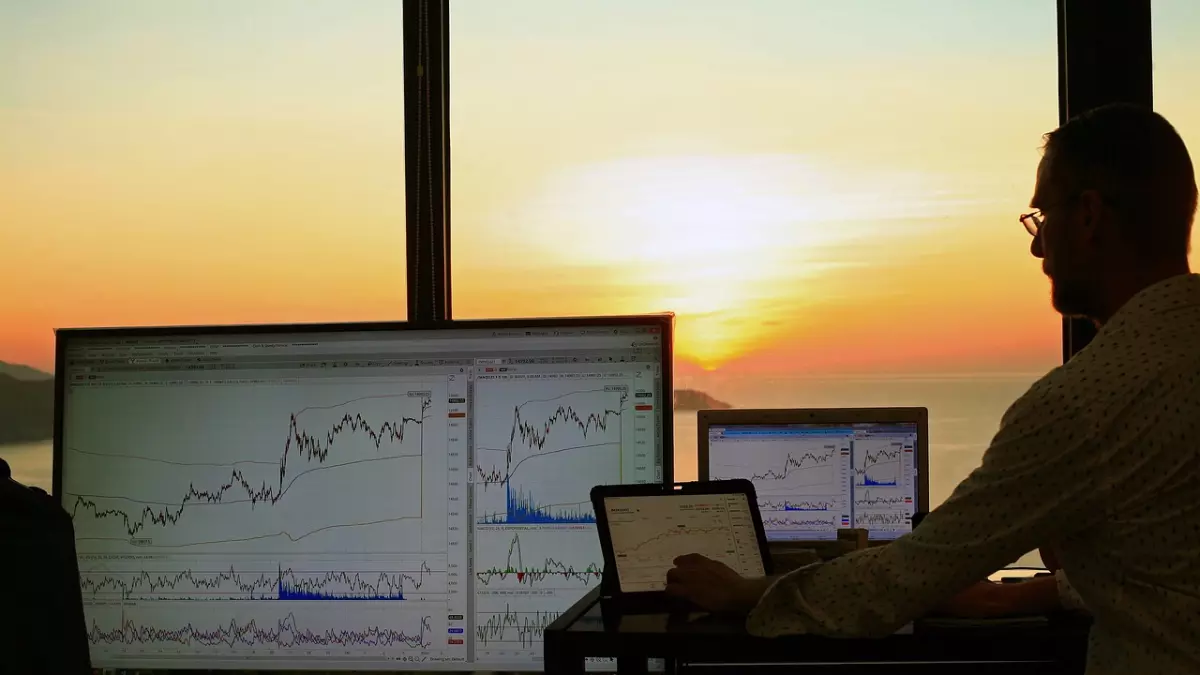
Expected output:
(834, 416)
(665, 323)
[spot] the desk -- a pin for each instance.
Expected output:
(591, 628)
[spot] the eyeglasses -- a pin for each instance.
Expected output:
(1033, 222)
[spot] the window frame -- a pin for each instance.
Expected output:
(1104, 56)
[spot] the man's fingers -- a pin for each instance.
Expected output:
(1049, 558)
(674, 576)
(689, 559)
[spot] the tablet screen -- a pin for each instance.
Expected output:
(649, 532)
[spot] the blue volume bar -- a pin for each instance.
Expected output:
(521, 509)
(349, 585)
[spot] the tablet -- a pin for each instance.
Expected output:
(643, 528)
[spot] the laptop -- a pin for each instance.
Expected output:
(818, 470)
(643, 528)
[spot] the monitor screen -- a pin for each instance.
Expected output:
(649, 532)
(812, 479)
(349, 497)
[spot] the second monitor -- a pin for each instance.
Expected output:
(819, 470)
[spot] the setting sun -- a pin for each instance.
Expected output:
(734, 244)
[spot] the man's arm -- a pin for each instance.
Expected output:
(1036, 484)
(1038, 595)
(987, 599)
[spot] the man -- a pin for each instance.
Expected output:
(42, 628)
(1099, 461)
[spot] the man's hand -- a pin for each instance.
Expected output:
(713, 585)
(979, 601)
(986, 599)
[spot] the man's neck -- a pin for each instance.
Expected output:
(1123, 287)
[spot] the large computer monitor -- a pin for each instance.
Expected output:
(818, 470)
(349, 496)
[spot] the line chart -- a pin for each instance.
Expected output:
(281, 584)
(307, 445)
(796, 523)
(877, 467)
(265, 470)
(538, 558)
(798, 505)
(286, 632)
(351, 586)
(793, 463)
(524, 577)
(869, 500)
(536, 461)
(668, 539)
(796, 469)
(880, 519)
(521, 628)
(802, 482)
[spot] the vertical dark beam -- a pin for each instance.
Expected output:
(427, 157)
(1105, 56)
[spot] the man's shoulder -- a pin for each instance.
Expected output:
(1112, 374)
(1050, 395)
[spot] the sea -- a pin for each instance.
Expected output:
(31, 463)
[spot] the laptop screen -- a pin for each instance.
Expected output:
(812, 479)
(649, 532)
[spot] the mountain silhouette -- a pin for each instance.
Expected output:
(692, 399)
(23, 373)
(26, 410)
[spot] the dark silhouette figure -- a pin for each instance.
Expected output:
(42, 628)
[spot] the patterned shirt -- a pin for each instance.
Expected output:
(1100, 460)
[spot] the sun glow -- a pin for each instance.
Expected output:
(724, 241)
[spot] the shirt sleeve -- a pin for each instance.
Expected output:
(1035, 485)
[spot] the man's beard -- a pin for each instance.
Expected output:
(1072, 298)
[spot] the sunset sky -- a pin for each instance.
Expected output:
(813, 187)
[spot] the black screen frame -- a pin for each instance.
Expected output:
(610, 579)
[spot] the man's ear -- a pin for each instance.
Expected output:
(1089, 213)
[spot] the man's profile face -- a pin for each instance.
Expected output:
(1063, 259)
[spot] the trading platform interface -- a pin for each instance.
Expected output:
(812, 479)
(371, 500)
(649, 532)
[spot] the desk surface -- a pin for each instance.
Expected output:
(592, 628)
